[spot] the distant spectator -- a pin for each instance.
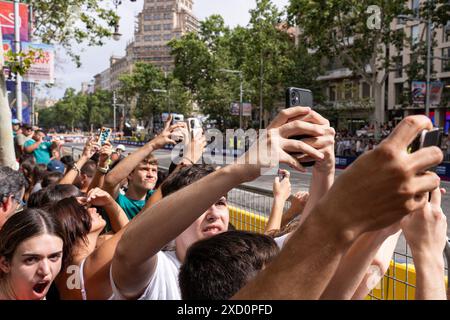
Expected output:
(23, 135)
(12, 189)
(39, 148)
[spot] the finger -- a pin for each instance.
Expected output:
(443, 190)
(168, 122)
(426, 158)
(407, 130)
(291, 161)
(313, 117)
(175, 126)
(287, 114)
(300, 128)
(320, 142)
(436, 198)
(296, 146)
(277, 180)
(425, 182)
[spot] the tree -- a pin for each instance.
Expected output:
(359, 34)
(152, 93)
(70, 23)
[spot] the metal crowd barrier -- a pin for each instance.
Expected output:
(250, 206)
(249, 209)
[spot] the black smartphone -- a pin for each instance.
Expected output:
(296, 97)
(426, 138)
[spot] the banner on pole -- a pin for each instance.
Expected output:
(436, 88)
(234, 108)
(247, 109)
(7, 20)
(26, 100)
(419, 89)
(43, 68)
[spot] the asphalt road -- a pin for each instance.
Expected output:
(300, 182)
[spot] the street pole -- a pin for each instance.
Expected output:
(17, 50)
(427, 103)
(114, 110)
(241, 101)
(261, 92)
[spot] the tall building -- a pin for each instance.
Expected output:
(353, 97)
(158, 23)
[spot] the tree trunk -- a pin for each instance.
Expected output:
(379, 114)
(7, 154)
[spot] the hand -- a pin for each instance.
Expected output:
(98, 197)
(90, 148)
(165, 136)
(298, 201)
(274, 146)
(193, 150)
(105, 153)
(426, 229)
(324, 143)
(383, 185)
(282, 189)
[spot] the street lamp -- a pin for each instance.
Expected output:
(428, 41)
(241, 92)
(117, 35)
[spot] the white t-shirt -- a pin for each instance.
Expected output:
(164, 283)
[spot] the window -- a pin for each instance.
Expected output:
(348, 90)
(167, 36)
(148, 17)
(167, 16)
(398, 61)
(157, 16)
(446, 63)
(332, 93)
(414, 35)
(365, 90)
(147, 28)
(168, 26)
(398, 93)
(447, 32)
(415, 6)
(157, 27)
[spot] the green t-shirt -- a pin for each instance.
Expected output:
(132, 207)
(41, 154)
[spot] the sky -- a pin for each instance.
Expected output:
(96, 59)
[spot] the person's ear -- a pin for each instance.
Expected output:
(4, 265)
(7, 204)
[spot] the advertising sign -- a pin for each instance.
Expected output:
(436, 88)
(247, 109)
(234, 108)
(26, 100)
(7, 20)
(43, 68)
(419, 89)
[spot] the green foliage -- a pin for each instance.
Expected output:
(264, 45)
(79, 110)
(71, 22)
(153, 93)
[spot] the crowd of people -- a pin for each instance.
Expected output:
(109, 226)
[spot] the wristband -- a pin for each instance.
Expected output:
(75, 167)
(103, 170)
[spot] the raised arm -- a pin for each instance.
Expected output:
(426, 233)
(281, 192)
(135, 258)
(363, 265)
(89, 149)
(102, 167)
(127, 165)
(31, 147)
(309, 260)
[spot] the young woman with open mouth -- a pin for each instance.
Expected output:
(31, 250)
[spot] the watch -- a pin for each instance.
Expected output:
(103, 170)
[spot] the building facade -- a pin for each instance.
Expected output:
(159, 22)
(351, 98)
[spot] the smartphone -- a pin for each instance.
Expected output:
(426, 138)
(296, 97)
(105, 135)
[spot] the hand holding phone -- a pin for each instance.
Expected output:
(296, 97)
(105, 135)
